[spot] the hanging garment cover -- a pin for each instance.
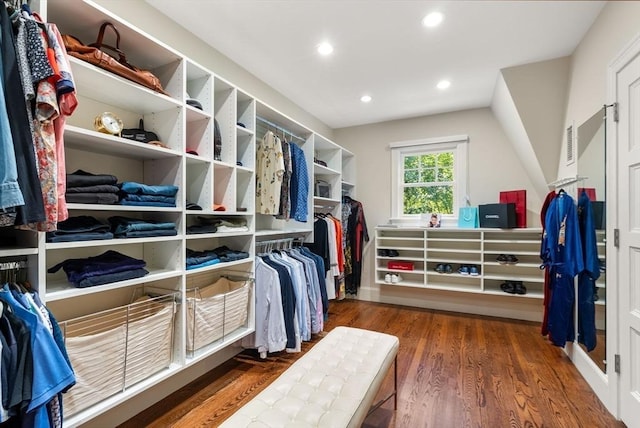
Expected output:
(33, 209)
(587, 278)
(561, 251)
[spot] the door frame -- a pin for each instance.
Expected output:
(619, 289)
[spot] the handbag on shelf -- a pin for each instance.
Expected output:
(95, 54)
(139, 134)
(468, 218)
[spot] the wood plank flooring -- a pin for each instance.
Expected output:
(453, 371)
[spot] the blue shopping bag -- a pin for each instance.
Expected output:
(468, 218)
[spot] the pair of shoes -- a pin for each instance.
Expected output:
(392, 278)
(507, 259)
(513, 287)
(388, 253)
(444, 268)
(469, 270)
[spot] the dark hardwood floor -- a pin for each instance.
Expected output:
(453, 371)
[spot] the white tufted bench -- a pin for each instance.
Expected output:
(333, 385)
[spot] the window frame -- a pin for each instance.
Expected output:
(459, 144)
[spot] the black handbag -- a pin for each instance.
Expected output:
(139, 134)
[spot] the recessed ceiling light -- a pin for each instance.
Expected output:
(443, 84)
(325, 48)
(365, 98)
(433, 19)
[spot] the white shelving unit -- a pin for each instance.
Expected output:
(427, 248)
(187, 160)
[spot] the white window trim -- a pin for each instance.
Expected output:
(457, 143)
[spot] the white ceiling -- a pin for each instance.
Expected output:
(382, 49)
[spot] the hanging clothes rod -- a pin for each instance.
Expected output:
(566, 180)
(279, 128)
(278, 244)
(13, 265)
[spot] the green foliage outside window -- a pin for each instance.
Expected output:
(428, 183)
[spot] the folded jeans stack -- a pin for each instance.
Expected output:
(87, 188)
(126, 227)
(198, 259)
(110, 266)
(132, 193)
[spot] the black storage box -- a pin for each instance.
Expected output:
(599, 211)
(498, 215)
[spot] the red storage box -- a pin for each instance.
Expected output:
(518, 197)
(399, 265)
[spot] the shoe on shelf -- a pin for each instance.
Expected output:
(448, 268)
(502, 259)
(395, 278)
(511, 259)
(393, 253)
(464, 270)
(508, 287)
(520, 288)
(387, 278)
(473, 270)
(383, 253)
(440, 268)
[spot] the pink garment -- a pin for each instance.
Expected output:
(67, 104)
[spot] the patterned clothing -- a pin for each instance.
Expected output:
(40, 65)
(269, 172)
(285, 199)
(45, 143)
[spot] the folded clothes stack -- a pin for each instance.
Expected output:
(198, 259)
(87, 188)
(87, 228)
(218, 224)
(126, 227)
(80, 228)
(132, 193)
(110, 266)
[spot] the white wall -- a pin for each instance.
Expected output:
(154, 23)
(616, 25)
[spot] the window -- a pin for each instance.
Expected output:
(429, 176)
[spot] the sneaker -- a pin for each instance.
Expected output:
(448, 268)
(464, 270)
(383, 253)
(502, 259)
(387, 278)
(473, 270)
(440, 268)
(520, 288)
(395, 278)
(393, 253)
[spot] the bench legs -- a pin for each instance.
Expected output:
(393, 394)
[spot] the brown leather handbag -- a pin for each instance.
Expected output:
(95, 54)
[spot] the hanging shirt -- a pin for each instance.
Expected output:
(269, 172)
(270, 334)
(299, 184)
